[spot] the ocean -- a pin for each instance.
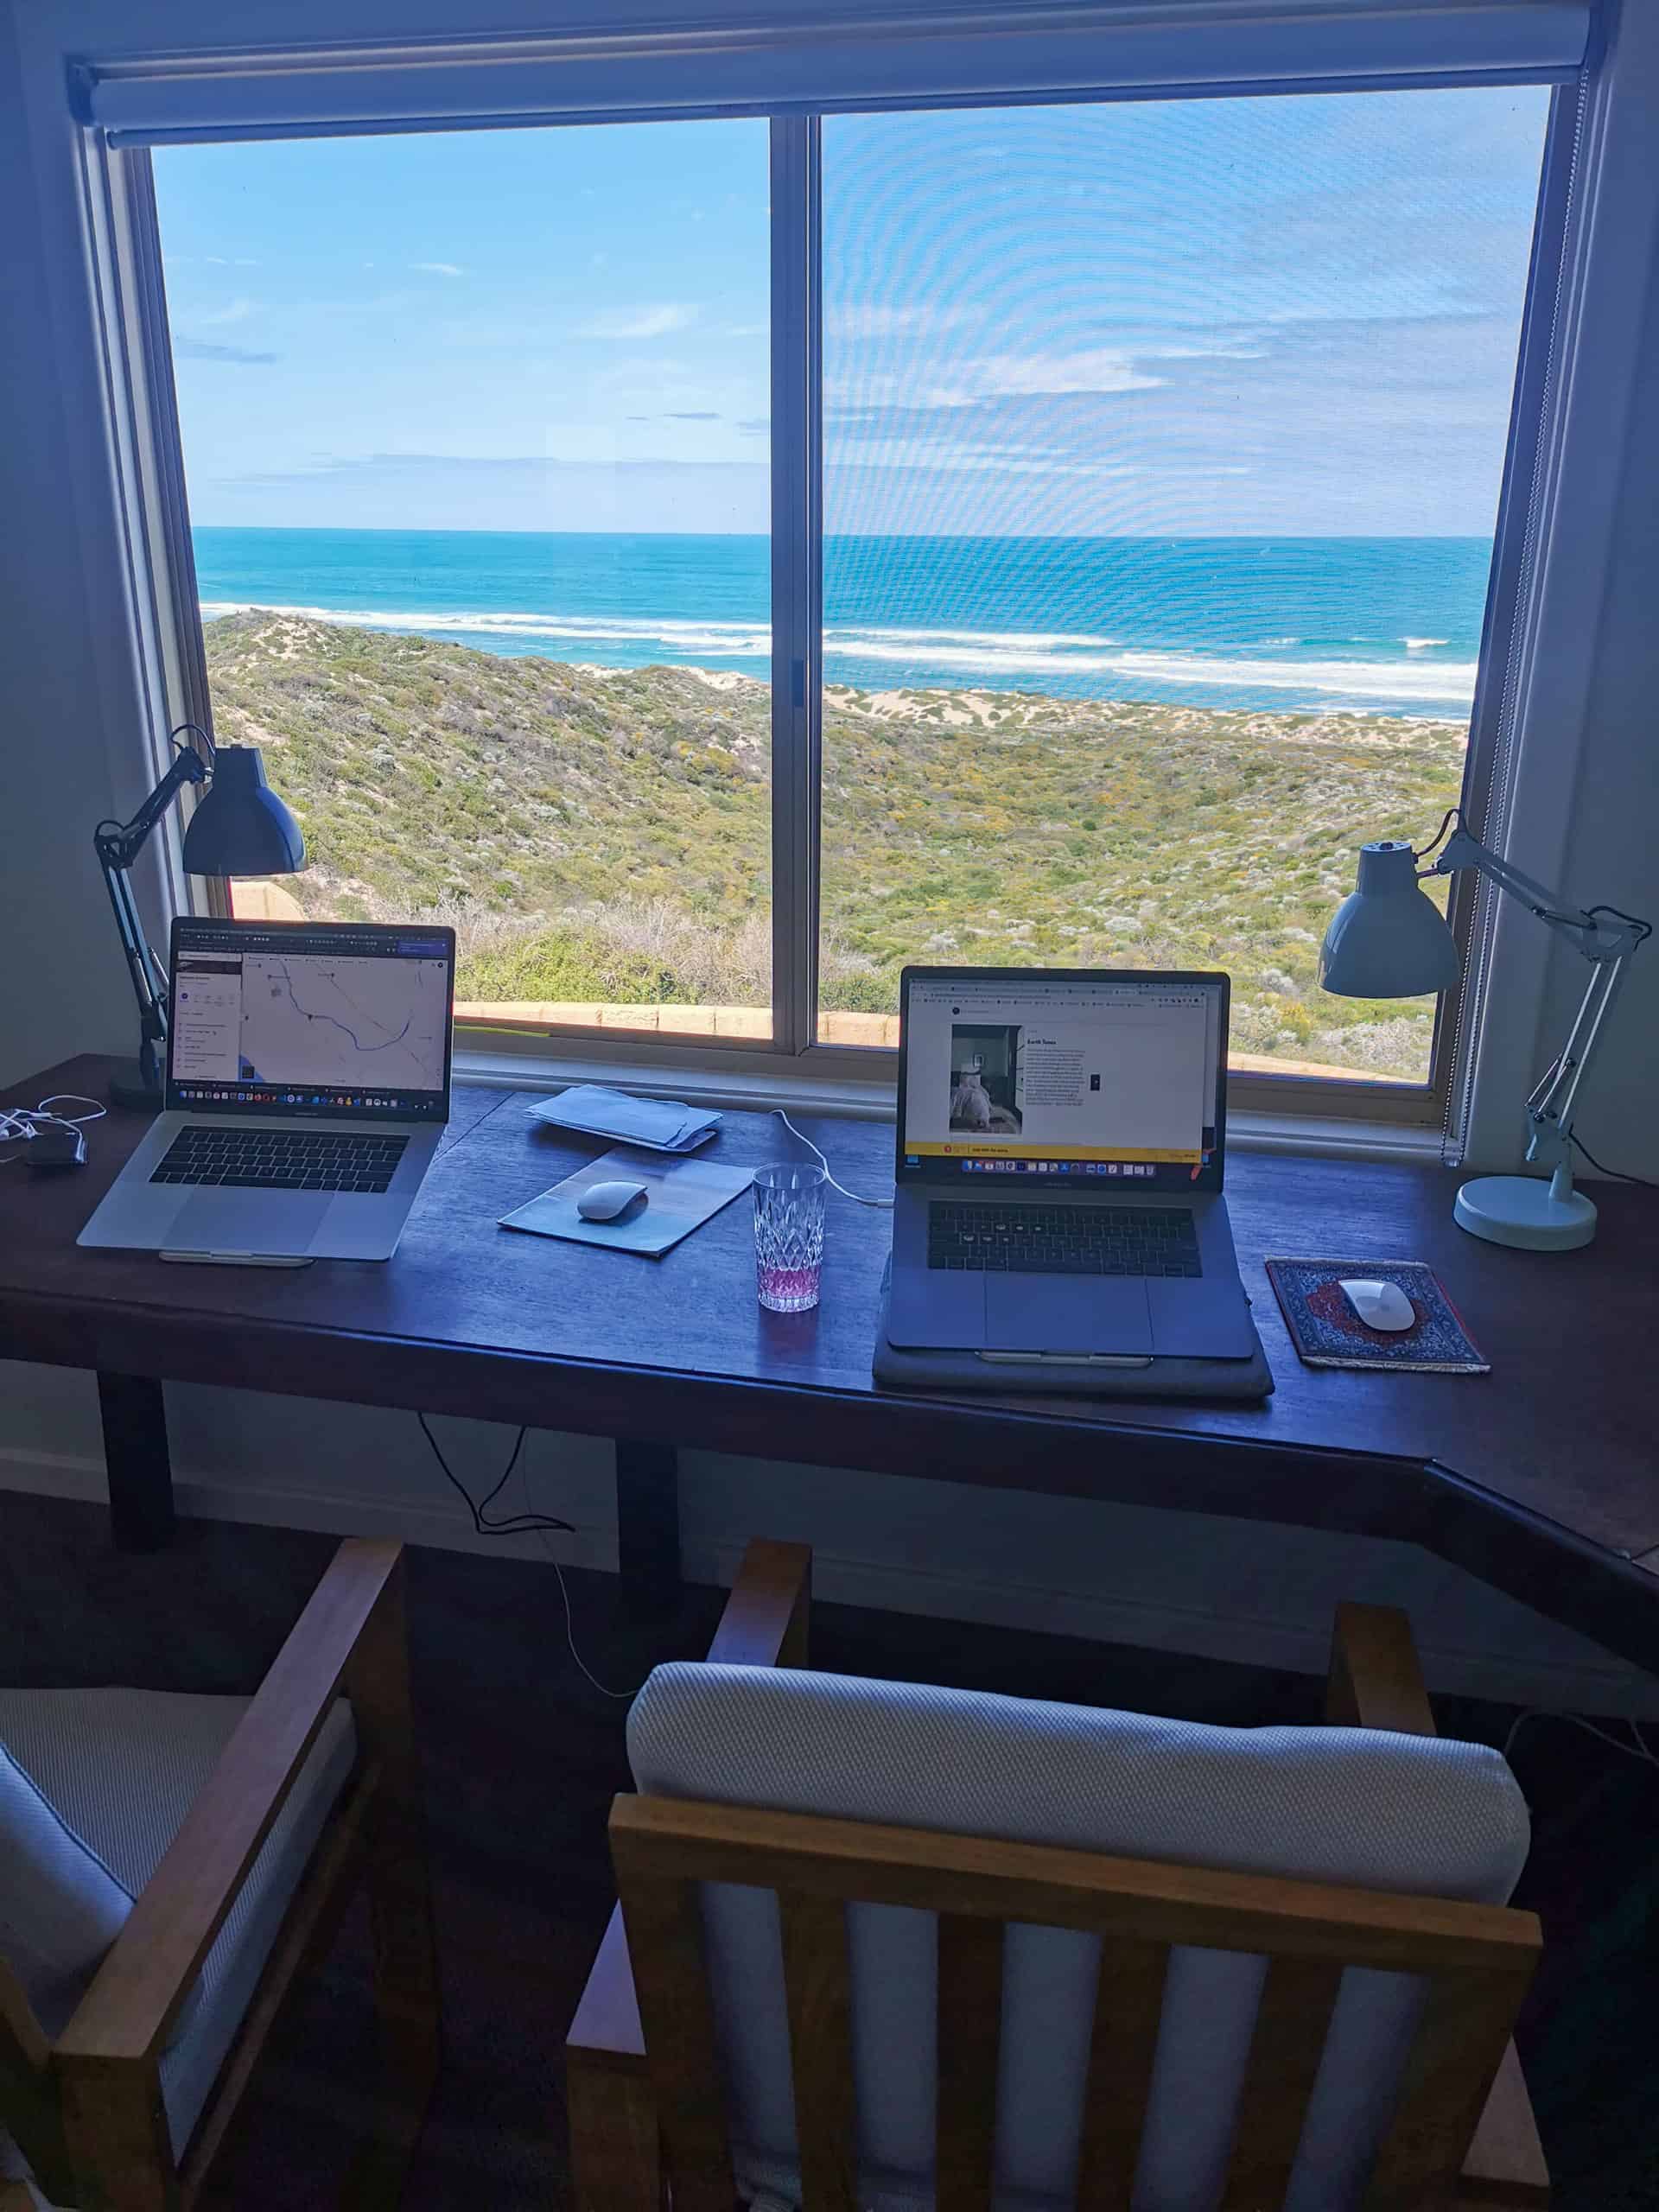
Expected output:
(1381, 626)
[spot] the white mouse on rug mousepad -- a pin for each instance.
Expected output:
(1373, 1313)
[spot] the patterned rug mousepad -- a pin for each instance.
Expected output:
(1327, 1332)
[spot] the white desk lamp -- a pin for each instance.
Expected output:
(1387, 940)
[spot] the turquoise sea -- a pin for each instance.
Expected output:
(1388, 626)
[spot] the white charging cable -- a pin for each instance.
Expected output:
(19, 1123)
(857, 1197)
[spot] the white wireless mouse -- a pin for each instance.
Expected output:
(1379, 1305)
(604, 1201)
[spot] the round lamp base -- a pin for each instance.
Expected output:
(128, 1090)
(1519, 1210)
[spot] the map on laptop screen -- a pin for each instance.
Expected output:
(312, 1020)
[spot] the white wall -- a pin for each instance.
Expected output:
(1612, 845)
(61, 980)
(68, 753)
(1584, 812)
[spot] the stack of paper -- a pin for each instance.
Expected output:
(658, 1124)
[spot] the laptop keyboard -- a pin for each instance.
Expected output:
(1034, 1239)
(281, 1159)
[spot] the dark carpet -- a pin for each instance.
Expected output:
(522, 1757)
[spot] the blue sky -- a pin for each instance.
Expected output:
(1210, 316)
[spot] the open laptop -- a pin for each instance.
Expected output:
(1061, 1149)
(308, 1086)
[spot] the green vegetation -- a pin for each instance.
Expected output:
(605, 835)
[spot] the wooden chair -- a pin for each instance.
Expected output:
(89, 2109)
(648, 2104)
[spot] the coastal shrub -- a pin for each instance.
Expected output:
(607, 833)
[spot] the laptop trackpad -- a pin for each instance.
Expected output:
(1067, 1313)
(218, 1221)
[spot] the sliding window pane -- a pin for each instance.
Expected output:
(1163, 447)
(474, 428)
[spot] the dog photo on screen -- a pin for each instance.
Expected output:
(985, 1079)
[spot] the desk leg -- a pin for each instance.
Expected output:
(136, 1459)
(648, 1527)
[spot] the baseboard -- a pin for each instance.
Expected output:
(1300, 1648)
(936, 1594)
(270, 1505)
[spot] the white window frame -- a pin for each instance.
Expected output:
(125, 258)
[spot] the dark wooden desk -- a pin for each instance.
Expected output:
(1542, 1478)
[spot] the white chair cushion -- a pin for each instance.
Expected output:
(60, 1908)
(123, 1767)
(1417, 1815)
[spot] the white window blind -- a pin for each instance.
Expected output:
(852, 59)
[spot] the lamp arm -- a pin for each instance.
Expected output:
(1596, 937)
(117, 845)
(1605, 937)
(1549, 1109)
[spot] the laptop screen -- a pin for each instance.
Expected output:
(305, 1018)
(1105, 1076)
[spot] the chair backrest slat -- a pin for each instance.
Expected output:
(969, 2038)
(1129, 2005)
(662, 1915)
(818, 1987)
(1476, 1960)
(1286, 2047)
(1459, 2045)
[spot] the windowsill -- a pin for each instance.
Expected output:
(1339, 1137)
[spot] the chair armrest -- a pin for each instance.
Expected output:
(125, 2015)
(1505, 2165)
(764, 1622)
(1374, 1680)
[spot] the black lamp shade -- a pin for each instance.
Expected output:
(240, 826)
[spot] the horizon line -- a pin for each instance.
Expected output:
(930, 536)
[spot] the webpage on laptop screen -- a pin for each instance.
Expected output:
(1014, 1077)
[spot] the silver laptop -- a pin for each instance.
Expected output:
(1061, 1149)
(308, 1086)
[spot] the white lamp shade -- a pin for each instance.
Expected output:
(1388, 939)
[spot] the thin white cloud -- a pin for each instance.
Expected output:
(438, 268)
(202, 349)
(1097, 370)
(234, 311)
(866, 320)
(650, 321)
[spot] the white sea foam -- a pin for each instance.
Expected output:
(852, 637)
(967, 653)
(1416, 644)
(731, 640)
(1444, 682)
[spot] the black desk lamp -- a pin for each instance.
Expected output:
(239, 827)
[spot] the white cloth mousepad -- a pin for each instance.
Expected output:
(680, 1196)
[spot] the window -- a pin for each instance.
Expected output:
(474, 433)
(714, 562)
(1161, 471)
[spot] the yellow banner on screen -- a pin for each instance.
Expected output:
(983, 1151)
